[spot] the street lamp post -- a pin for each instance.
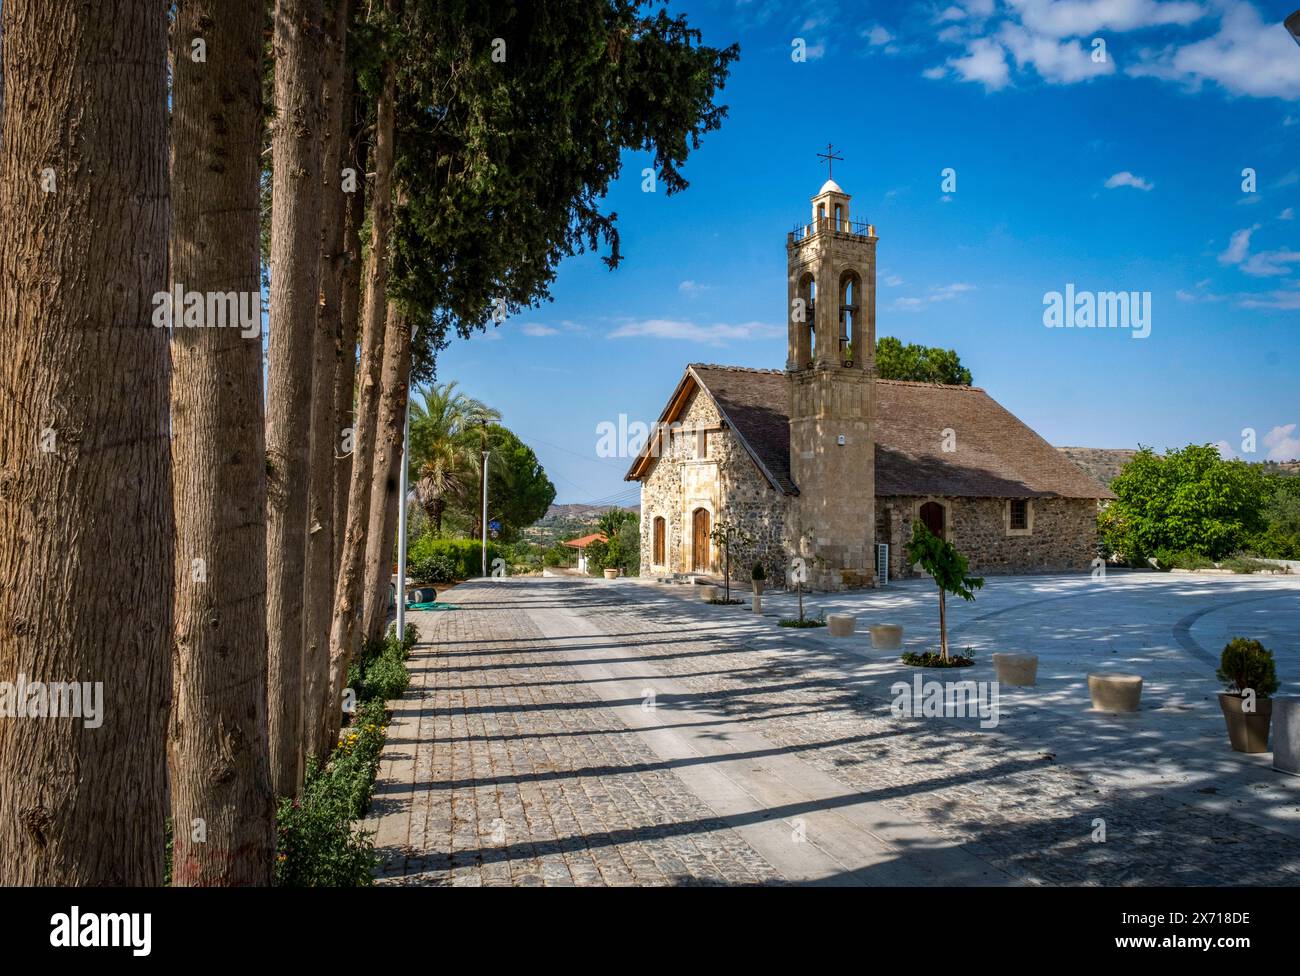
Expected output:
(403, 488)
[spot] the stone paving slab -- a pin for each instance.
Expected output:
(522, 754)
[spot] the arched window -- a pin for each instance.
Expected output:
(934, 517)
(659, 541)
(839, 217)
(805, 334)
(850, 292)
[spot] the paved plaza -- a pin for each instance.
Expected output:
(563, 731)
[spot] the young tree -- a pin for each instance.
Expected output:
(85, 480)
(726, 534)
(295, 275)
(217, 750)
(941, 560)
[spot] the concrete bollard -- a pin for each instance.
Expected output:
(1017, 670)
(840, 624)
(1115, 692)
(887, 637)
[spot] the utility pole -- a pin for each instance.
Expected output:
(483, 546)
(401, 521)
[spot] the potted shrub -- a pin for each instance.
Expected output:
(757, 576)
(1247, 672)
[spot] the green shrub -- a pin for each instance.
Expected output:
(1168, 559)
(936, 659)
(805, 622)
(432, 560)
(758, 572)
(1244, 664)
(378, 673)
(1244, 564)
(317, 845)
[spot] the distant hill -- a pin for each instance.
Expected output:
(1102, 463)
(581, 513)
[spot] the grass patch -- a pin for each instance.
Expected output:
(934, 659)
(804, 623)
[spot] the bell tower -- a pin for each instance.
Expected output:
(831, 366)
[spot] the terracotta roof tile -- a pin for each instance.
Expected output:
(997, 456)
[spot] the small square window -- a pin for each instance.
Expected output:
(1019, 514)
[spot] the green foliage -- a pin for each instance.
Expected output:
(433, 560)
(612, 521)
(1189, 500)
(446, 437)
(505, 166)
(318, 846)
(948, 567)
(622, 551)
(557, 555)
(801, 622)
(938, 659)
(921, 364)
(1243, 564)
(941, 560)
(1244, 664)
(519, 492)
(1167, 559)
(1280, 538)
(378, 672)
(758, 572)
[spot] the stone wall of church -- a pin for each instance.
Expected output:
(1062, 538)
(714, 472)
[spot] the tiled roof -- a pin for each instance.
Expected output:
(996, 455)
(586, 540)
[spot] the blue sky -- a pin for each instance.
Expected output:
(1122, 174)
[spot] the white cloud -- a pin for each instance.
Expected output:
(1247, 57)
(692, 288)
(1125, 178)
(1282, 443)
(939, 293)
(1268, 264)
(1078, 18)
(1284, 300)
(1287, 214)
(950, 13)
(534, 329)
(984, 62)
(893, 280)
(1291, 120)
(718, 334)
(935, 73)
(1238, 246)
(877, 36)
(1058, 62)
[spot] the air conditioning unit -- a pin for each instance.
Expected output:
(882, 563)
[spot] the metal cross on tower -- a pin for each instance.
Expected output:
(830, 156)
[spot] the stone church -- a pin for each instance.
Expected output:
(825, 461)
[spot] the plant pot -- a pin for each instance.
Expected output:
(611, 574)
(758, 603)
(758, 587)
(1247, 731)
(1016, 670)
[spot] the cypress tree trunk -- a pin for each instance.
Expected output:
(385, 486)
(295, 250)
(318, 593)
(85, 477)
(345, 371)
(223, 810)
(348, 590)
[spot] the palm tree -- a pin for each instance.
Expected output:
(445, 445)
